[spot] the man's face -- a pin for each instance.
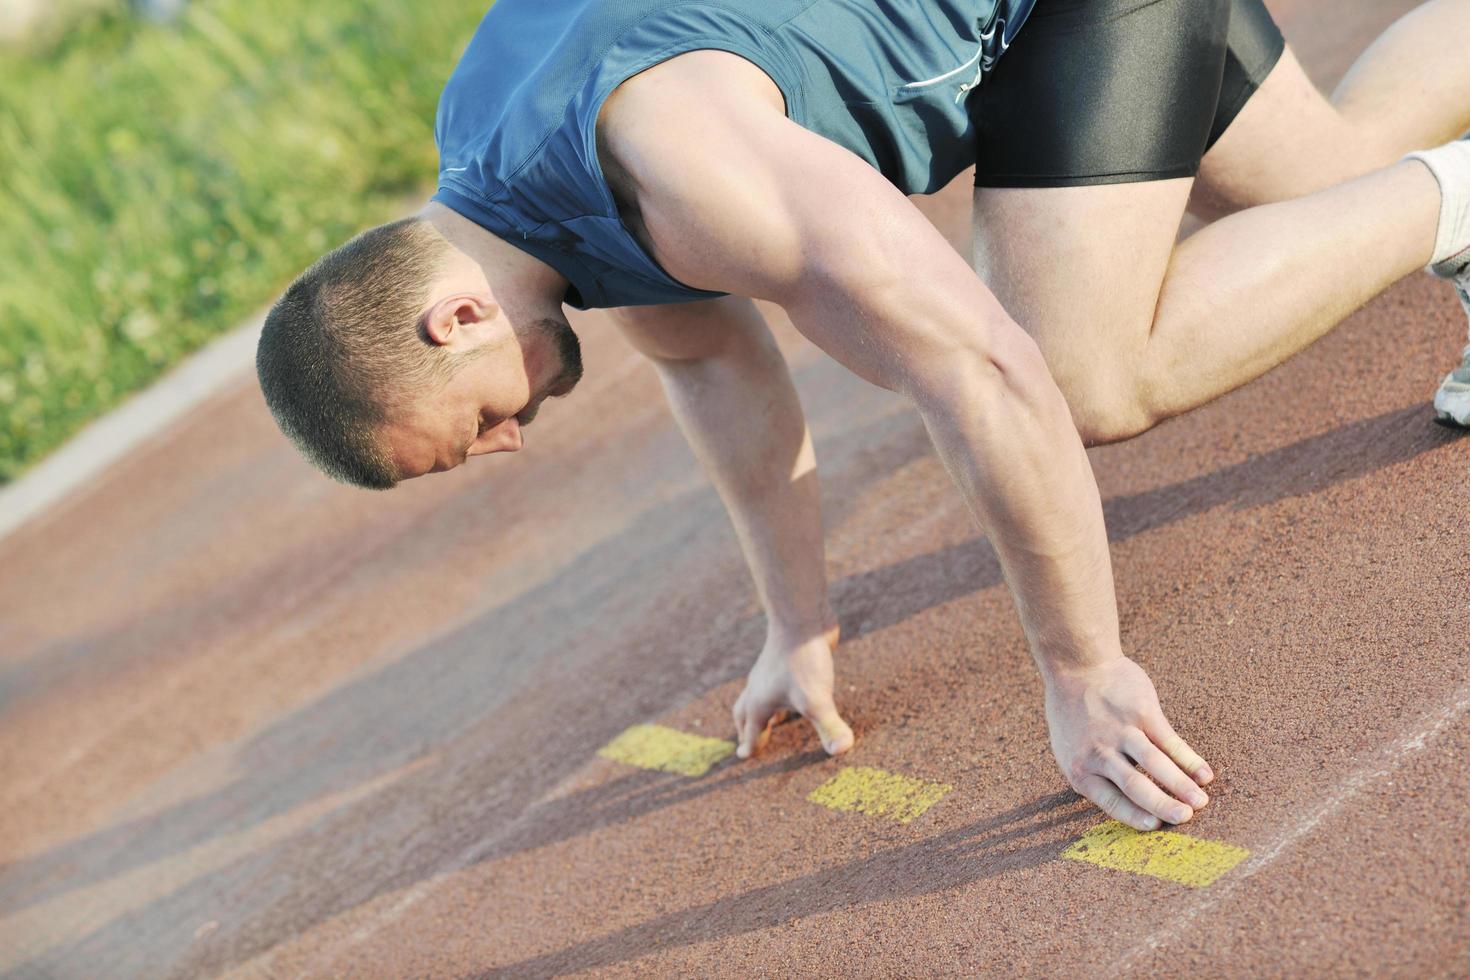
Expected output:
(484, 406)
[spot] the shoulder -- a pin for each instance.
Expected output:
(695, 88)
(664, 124)
(661, 130)
(685, 147)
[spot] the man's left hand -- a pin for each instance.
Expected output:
(796, 677)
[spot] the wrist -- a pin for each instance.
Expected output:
(1073, 670)
(791, 631)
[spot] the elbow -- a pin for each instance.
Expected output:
(999, 365)
(1013, 360)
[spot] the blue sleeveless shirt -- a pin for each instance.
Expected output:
(516, 126)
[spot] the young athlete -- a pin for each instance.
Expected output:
(676, 159)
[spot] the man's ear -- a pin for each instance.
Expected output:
(459, 318)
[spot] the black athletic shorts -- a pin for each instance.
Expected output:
(1111, 91)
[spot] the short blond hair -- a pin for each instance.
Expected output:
(344, 348)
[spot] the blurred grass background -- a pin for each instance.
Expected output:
(159, 183)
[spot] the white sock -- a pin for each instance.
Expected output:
(1450, 165)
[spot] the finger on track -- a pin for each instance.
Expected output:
(1162, 734)
(1144, 792)
(835, 733)
(754, 731)
(1164, 770)
(1100, 790)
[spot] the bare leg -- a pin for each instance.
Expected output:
(1410, 89)
(1136, 330)
(1403, 87)
(1137, 327)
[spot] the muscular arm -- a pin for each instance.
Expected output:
(732, 196)
(732, 395)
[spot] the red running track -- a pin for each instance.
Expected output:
(255, 724)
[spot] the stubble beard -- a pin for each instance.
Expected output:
(569, 352)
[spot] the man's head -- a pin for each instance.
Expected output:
(390, 358)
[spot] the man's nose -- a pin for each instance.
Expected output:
(504, 438)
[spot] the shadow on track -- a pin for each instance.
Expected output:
(451, 698)
(1023, 837)
(875, 600)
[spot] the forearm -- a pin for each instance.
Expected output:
(1006, 436)
(1005, 433)
(740, 414)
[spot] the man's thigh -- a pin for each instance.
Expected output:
(1080, 268)
(1287, 141)
(1091, 130)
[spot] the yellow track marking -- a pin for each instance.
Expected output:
(1159, 853)
(878, 793)
(667, 750)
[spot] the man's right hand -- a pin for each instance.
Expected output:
(1105, 721)
(791, 676)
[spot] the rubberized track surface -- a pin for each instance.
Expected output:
(257, 724)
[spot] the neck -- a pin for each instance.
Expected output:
(523, 285)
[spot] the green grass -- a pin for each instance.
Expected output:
(159, 184)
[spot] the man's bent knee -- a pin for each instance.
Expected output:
(1109, 408)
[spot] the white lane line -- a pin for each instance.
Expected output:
(1431, 727)
(145, 414)
(119, 432)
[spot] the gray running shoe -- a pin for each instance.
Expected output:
(1452, 401)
